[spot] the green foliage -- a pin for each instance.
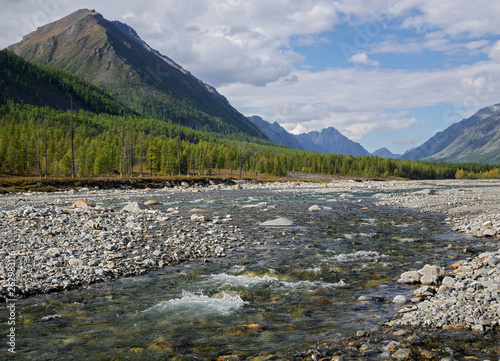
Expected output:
(27, 82)
(36, 140)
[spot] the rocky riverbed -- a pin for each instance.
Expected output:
(65, 240)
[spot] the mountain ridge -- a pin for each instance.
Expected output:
(441, 140)
(328, 140)
(112, 55)
(479, 143)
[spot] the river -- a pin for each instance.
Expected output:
(282, 291)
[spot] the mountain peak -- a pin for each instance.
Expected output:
(329, 140)
(113, 55)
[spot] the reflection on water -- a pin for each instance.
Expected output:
(285, 290)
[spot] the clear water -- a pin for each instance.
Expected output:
(282, 291)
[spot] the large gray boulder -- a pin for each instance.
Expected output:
(135, 207)
(278, 222)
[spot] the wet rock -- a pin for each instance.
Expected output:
(400, 300)
(410, 277)
(392, 347)
(402, 354)
(151, 202)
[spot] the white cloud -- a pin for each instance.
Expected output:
(362, 58)
(360, 101)
(494, 52)
(227, 41)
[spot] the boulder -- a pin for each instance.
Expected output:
(135, 207)
(199, 218)
(425, 192)
(410, 277)
(314, 208)
(151, 202)
(448, 281)
(490, 232)
(434, 271)
(400, 300)
(278, 222)
(425, 291)
(81, 203)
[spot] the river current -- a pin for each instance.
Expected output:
(282, 291)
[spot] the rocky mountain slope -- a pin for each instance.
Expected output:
(444, 139)
(329, 140)
(479, 143)
(112, 55)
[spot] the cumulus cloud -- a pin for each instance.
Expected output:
(494, 52)
(227, 41)
(362, 58)
(359, 102)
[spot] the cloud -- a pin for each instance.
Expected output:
(228, 41)
(494, 52)
(362, 58)
(362, 101)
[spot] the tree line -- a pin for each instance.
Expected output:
(56, 143)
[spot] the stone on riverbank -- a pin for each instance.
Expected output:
(278, 222)
(135, 207)
(82, 203)
(314, 208)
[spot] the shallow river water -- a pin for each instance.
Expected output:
(282, 291)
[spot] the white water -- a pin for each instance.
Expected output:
(196, 305)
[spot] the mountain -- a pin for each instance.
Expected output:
(443, 139)
(112, 55)
(276, 133)
(385, 153)
(479, 144)
(332, 141)
(22, 81)
(329, 140)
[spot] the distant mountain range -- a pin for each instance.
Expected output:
(475, 139)
(112, 55)
(329, 140)
(385, 153)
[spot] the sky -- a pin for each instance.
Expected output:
(384, 73)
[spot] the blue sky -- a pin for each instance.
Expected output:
(384, 73)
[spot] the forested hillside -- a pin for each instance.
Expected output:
(26, 82)
(39, 140)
